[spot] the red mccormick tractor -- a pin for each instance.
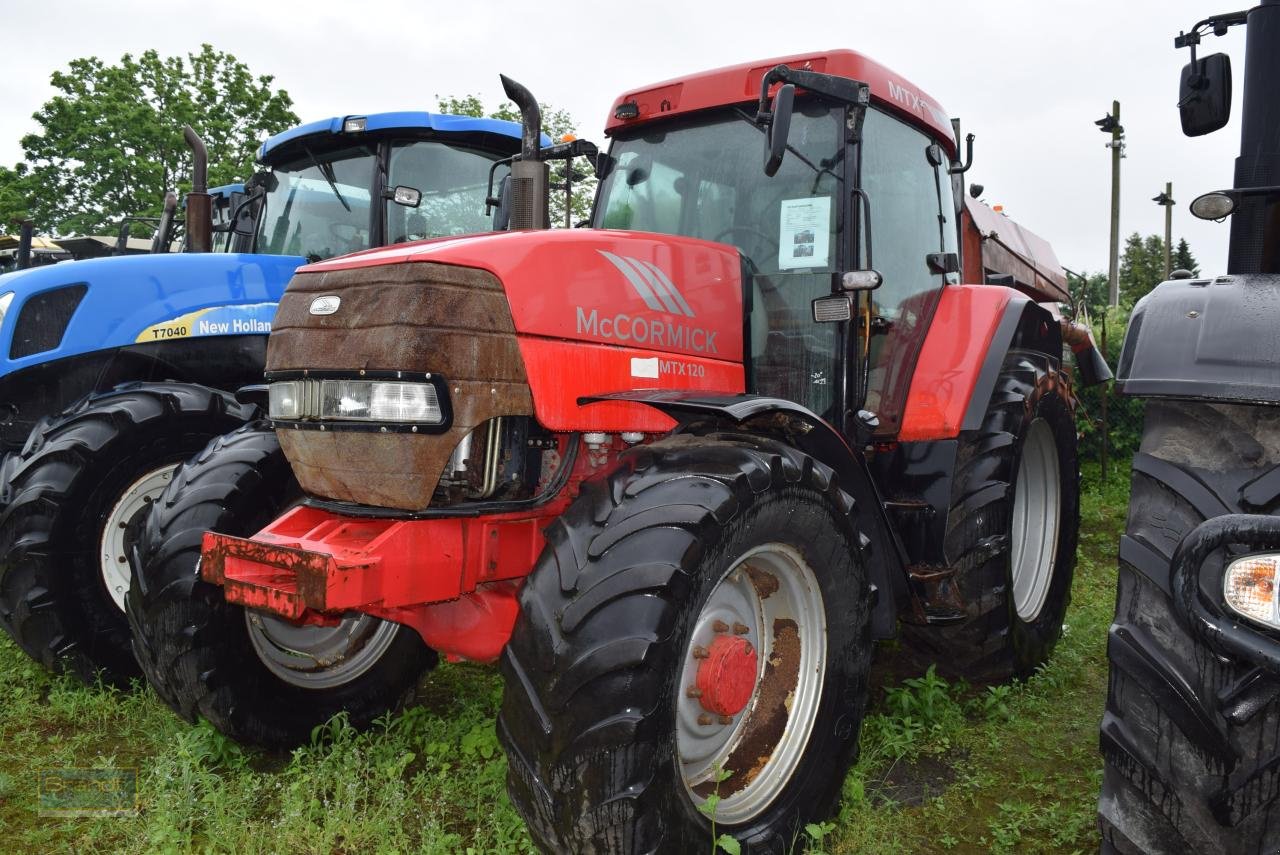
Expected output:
(677, 472)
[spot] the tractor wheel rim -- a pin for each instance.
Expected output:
(1037, 499)
(771, 600)
(319, 657)
(113, 545)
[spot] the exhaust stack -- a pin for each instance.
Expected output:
(530, 177)
(1255, 227)
(199, 202)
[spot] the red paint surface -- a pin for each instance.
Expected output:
(556, 279)
(444, 577)
(951, 360)
(727, 677)
(738, 83)
(597, 369)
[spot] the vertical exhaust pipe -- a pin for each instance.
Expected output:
(1255, 226)
(530, 177)
(24, 244)
(199, 202)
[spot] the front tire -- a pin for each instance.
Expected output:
(256, 678)
(1189, 735)
(78, 491)
(701, 612)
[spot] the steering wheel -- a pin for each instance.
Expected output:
(750, 230)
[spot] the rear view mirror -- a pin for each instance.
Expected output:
(779, 129)
(243, 222)
(1204, 94)
(502, 212)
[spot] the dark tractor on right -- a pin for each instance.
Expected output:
(1191, 732)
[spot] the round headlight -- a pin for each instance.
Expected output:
(1213, 206)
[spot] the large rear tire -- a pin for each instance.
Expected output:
(1189, 736)
(734, 556)
(256, 678)
(78, 491)
(1012, 530)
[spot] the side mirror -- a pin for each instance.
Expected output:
(243, 221)
(502, 213)
(1204, 94)
(779, 128)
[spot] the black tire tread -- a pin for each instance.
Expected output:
(46, 522)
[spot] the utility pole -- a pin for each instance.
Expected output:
(1110, 123)
(1166, 199)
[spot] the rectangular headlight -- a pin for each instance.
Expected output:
(284, 400)
(1249, 587)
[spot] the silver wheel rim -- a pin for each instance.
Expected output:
(770, 597)
(1037, 498)
(113, 557)
(319, 657)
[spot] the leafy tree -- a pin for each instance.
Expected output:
(555, 124)
(1141, 267)
(16, 190)
(1183, 259)
(110, 143)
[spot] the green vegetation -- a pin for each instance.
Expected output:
(944, 768)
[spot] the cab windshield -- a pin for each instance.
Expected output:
(319, 206)
(705, 178)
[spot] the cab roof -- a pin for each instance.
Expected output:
(735, 84)
(418, 120)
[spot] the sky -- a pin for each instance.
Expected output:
(1028, 77)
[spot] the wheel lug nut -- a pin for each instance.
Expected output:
(704, 719)
(740, 628)
(726, 719)
(700, 652)
(693, 692)
(719, 626)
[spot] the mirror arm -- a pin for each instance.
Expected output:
(958, 169)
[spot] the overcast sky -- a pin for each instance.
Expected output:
(1029, 77)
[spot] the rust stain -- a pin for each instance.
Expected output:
(769, 715)
(765, 583)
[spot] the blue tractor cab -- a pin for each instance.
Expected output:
(115, 370)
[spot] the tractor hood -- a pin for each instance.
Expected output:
(78, 307)
(512, 323)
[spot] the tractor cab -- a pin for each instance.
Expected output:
(677, 167)
(355, 182)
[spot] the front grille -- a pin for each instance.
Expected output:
(44, 318)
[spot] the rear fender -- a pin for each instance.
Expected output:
(696, 412)
(973, 329)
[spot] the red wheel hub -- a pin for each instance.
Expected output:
(727, 677)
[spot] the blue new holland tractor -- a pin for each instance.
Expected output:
(115, 370)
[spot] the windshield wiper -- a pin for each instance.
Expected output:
(326, 170)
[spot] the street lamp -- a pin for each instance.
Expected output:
(1166, 199)
(1110, 124)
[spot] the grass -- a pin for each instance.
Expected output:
(944, 768)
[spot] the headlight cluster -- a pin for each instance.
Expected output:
(355, 400)
(6, 300)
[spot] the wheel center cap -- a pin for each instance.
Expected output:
(727, 677)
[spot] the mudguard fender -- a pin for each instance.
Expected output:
(1205, 339)
(697, 412)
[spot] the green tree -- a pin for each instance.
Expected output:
(1183, 259)
(16, 189)
(555, 124)
(110, 143)
(1141, 267)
